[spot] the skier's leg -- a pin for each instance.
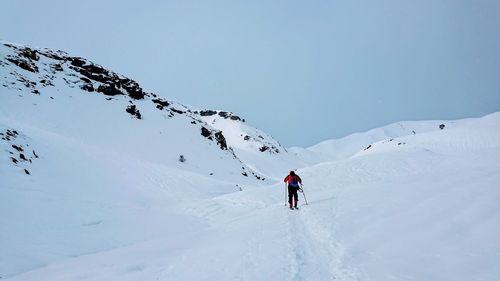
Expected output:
(296, 198)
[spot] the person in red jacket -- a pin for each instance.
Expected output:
(294, 182)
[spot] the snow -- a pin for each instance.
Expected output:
(107, 198)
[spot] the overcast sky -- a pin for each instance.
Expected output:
(303, 71)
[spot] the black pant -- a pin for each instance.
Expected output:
(292, 193)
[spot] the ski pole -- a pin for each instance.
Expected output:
(285, 193)
(303, 193)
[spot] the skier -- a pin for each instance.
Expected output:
(294, 182)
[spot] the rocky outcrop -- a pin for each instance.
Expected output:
(132, 109)
(160, 103)
(207, 112)
(218, 136)
(223, 114)
(21, 153)
(221, 140)
(38, 70)
(109, 83)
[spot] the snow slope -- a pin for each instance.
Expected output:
(338, 149)
(79, 99)
(245, 140)
(81, 173)
(106, 197)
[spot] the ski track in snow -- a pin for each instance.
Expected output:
(314, 253)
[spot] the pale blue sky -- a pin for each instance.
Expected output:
(303, 71)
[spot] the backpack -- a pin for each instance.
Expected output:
(294, 181)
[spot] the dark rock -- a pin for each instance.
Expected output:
(221, 140)
(87, 87)
(206, 133)
(76, 61)
(46, 82)
(18, 148)
(30, 54)
(26, 82)
(26, 171)
(12, 134)
(235, 118)
(109, 90)
(177, 111)
(22, 157)
(136, 94)
(245, 174)
(14, 160)
(441, 126)
(85, 79)
(208, 112)
(182, 159)
(93, 68)
(96, 77)
(160, 103)
(24, 64)
(193, 122)
(223, 114)
(246, 138)
(35, 92)
(263, 148)
(368, 147)
(52, 55)
(132, 109)
(133, 89)
(57, 67)
(34, 153)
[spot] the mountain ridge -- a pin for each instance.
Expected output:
(43, 72)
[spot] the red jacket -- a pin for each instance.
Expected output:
(293, 180)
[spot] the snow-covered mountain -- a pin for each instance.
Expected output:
(73, 97)
(81, 135)
(103, 180)
(346, 147)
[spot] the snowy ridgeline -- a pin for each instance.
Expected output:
(102, 180)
